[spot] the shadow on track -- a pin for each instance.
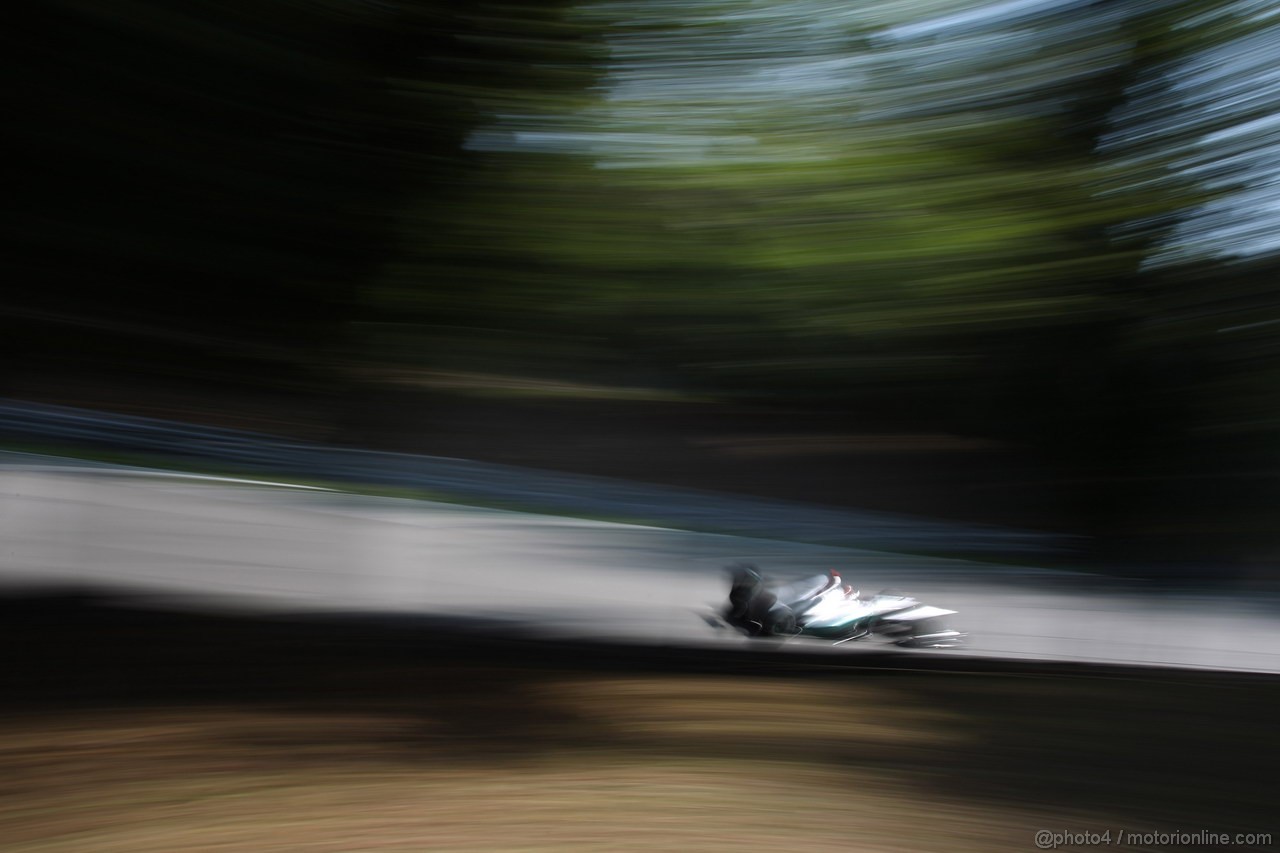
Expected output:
(1148, 746)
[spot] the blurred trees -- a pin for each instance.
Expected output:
(795, 196)
(207, 191)
(1047, 221)
(196, 186)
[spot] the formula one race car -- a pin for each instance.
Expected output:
(826, 608)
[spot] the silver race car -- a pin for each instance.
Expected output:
(825, 608)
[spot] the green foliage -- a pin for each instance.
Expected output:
(1038, 221)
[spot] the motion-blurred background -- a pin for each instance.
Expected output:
(1010, 262)
(1000, 261)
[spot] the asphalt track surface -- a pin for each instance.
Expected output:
(180, 540)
